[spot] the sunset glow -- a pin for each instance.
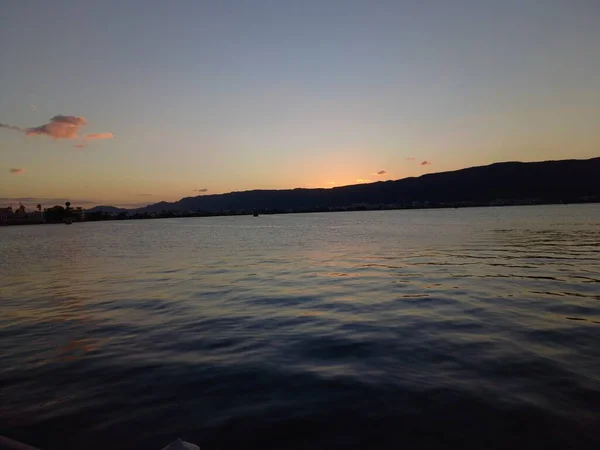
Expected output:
(243, 100)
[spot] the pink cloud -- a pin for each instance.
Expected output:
(59, 127)
(16, 171)
(99, 136)
(425, 163)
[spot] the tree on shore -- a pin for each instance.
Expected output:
(56, 214)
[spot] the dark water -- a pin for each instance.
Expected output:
(468, 328)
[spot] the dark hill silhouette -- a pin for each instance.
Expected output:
(546, 182)
(105, 209)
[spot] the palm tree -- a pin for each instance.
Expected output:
(67, 215)
(39, 207)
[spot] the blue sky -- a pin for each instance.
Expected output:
(235, 95)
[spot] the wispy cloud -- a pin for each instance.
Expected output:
(381, 172)
(79, 146)
(16, 171)
(362, 180)
(11, 127)
(201, 190)
(59, 127)
(99, 136)
(425, 163)
(33, 107)
(145, 195)
(409, 158)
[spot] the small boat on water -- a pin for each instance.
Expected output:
(68, 221)
(255, 213)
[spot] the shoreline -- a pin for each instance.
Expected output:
(265, 212)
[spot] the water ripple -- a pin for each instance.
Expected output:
(431, 329)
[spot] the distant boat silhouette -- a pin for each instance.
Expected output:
(255, 213)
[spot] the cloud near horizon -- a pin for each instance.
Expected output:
(381, 172)
(426, 163)
(59, 127)
(201, 190)
(99, 136)
(409, 158)
(16, 171)
(362, 180)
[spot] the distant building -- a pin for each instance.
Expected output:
(5, 214)
(20, 216)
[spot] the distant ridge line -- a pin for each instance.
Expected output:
(556, 181)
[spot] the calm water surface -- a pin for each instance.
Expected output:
(466, 328)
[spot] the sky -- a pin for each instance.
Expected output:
(130, 103)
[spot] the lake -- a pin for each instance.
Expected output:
(457, 328)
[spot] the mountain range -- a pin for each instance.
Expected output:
(544, 182)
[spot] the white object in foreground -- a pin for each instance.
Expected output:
(178, 444)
